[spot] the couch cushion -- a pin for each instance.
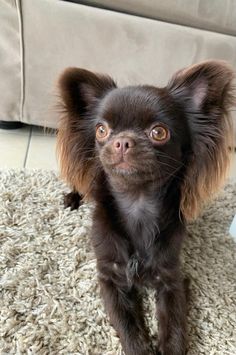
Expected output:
(213, 15)
(132, 49)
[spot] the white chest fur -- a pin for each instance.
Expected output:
(140, 212)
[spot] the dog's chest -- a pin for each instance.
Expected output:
(137, 210)
(140, 219)
(139, 213)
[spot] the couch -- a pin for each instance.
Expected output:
(134, 41)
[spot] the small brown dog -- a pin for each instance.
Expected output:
(149, 157)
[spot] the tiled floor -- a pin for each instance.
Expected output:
(233, 168)
(28, 147)
(32, 147)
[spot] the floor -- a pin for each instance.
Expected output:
(29, 147)
(34, 148)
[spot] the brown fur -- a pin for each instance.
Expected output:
(145, 190)
(210, 164)
(78, 166)
(204, 176)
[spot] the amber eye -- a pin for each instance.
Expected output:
(102, 132)
(160, 134)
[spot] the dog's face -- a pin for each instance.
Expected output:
(141, 135)
(144, 134)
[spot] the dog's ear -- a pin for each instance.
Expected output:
(205, 92)
(79, 88)
(80, 91)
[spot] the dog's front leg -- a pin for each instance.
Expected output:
(124, 308)
(73, 200)
(171, 312)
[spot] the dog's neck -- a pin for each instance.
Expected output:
(143, 211)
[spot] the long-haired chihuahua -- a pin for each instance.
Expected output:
(149, 158)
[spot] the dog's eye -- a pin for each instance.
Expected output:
(101, 132)
(160, 134)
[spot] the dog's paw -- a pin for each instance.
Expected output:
(72, 200)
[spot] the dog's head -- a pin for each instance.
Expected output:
(147, 135)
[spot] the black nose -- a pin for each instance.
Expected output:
(122, 144)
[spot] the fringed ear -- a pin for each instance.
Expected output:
(80, 90)
(205, 91)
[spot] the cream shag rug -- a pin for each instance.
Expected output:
(50, 301)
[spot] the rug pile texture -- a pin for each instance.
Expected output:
(49, 298)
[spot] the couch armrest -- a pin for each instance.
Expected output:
(10, 61)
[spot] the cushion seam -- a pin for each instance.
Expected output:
(22, 83)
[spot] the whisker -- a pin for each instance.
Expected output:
(164, 155)
(165, 164)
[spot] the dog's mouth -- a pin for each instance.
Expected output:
(130, 172)
(123, 167)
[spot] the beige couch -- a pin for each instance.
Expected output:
(135, 41)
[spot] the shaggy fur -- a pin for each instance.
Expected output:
(149, 157)
(50, 301)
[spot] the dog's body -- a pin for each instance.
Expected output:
(149, 158)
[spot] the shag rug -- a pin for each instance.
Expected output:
(50, 301)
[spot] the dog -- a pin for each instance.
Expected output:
(150, 158)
